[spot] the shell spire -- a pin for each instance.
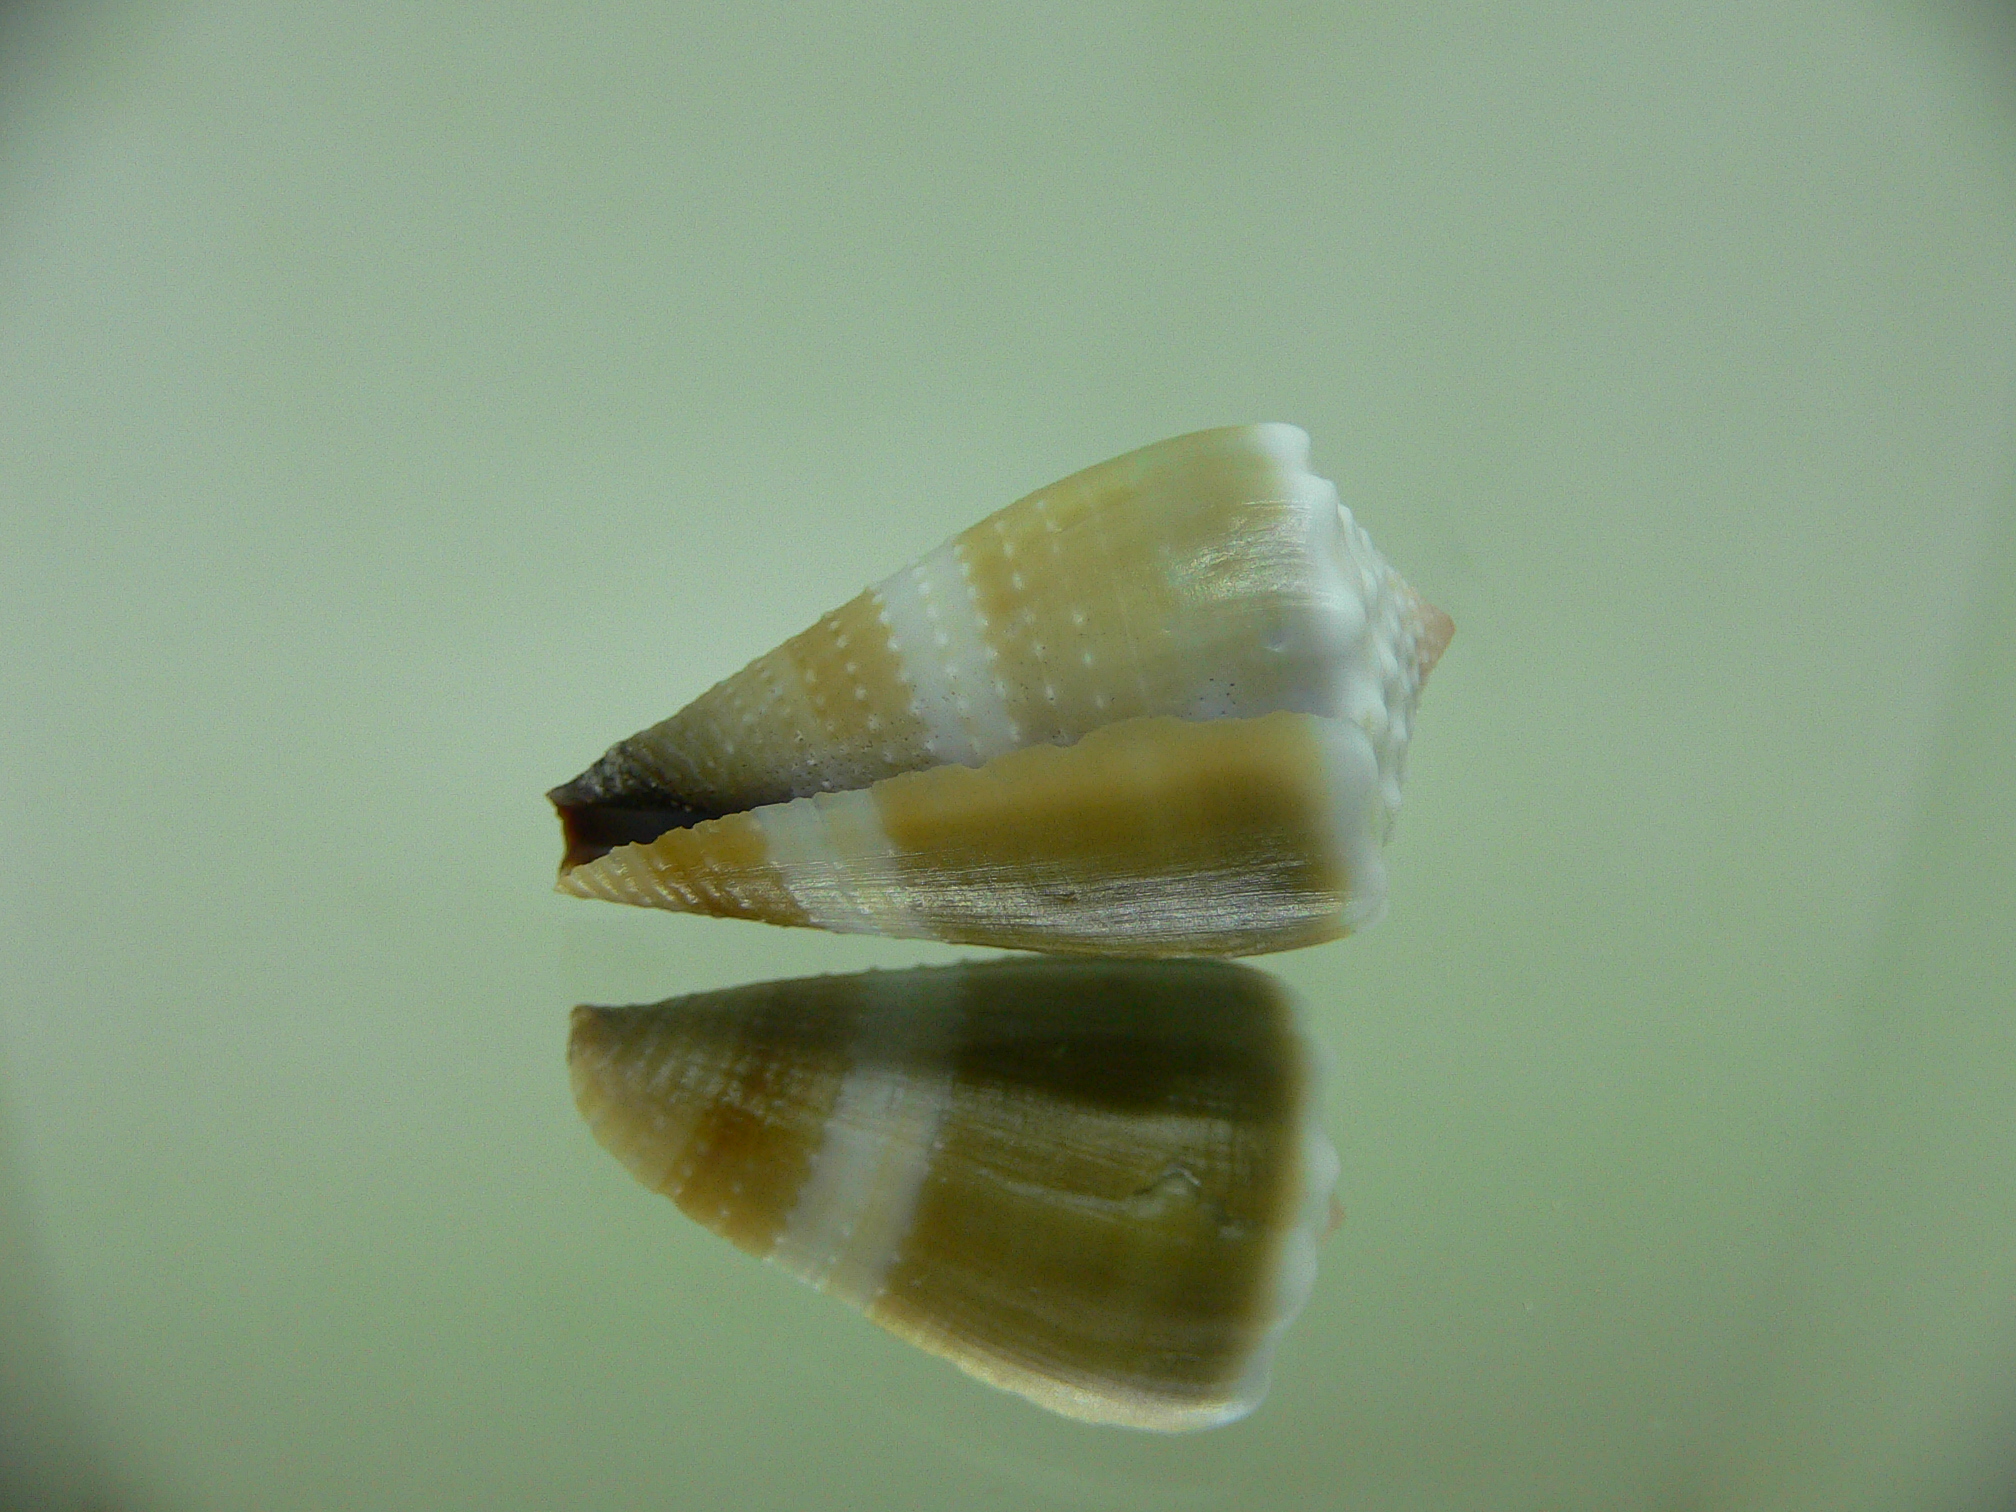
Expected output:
(1097, 1184)
(1211, 579)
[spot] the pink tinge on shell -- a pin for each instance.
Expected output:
(1434, 629)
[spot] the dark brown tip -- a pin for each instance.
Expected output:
(591, 827)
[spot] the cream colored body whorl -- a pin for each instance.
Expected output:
(1099, 1184)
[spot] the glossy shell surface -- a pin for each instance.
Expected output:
(1208, 582)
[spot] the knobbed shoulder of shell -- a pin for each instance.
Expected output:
(1159, 708)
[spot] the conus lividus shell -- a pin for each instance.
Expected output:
(1098, 1184)
(921, 762)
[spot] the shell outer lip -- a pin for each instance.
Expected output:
(1154, 836)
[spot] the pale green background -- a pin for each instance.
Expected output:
(398, 402)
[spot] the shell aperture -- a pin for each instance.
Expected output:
(1210, 582)
(1097, 1184)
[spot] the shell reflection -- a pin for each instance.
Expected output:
(1159, 708)
(1098, 1184)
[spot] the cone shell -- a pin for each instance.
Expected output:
(1097, 1184)
(1212, 579)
